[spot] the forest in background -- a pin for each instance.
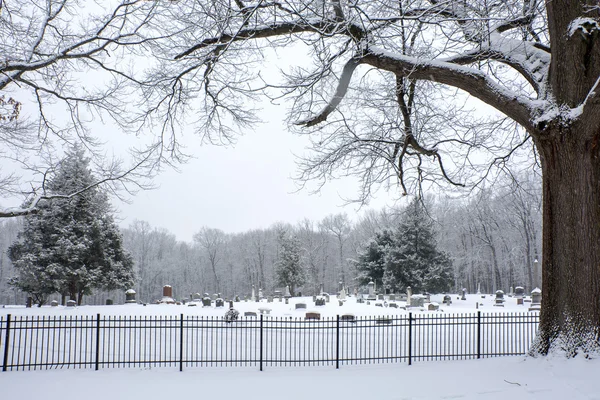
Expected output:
(492, 238)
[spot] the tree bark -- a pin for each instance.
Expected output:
(570, 316)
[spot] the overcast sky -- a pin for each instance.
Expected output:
(240, 188)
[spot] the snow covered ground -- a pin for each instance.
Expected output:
(473, 303)
(497, 378)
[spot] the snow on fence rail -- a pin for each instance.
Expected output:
(36, 342)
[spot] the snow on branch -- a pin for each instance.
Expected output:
(472, 81)
(342, 89)
(583, 26)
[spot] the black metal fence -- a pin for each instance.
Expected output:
(191, 341)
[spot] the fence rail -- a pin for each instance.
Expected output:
(191, 341)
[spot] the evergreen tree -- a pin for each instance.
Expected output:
(371, 260)
(72, 245)
(407, 257)
(289, 270)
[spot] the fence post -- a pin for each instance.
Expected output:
(478, 334)
(97, 341)
(181, 343)
(409, 338)
(337, 342)
(6, 338)
(261, 343)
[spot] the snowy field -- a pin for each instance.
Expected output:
(495, 378)
(473, 303)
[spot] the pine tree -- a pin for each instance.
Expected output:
(407, 256)
(289, 270)
(72, 245)
(371, 260)
(414, 259)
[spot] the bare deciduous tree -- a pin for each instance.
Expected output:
(537, 63)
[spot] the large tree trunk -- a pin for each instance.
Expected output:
(570, 316)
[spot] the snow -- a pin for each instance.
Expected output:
(583, 24)
(495, 378)
(498, 378)
(473, 303)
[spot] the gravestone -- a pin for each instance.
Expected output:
(447, 299)
(320, 301)
(499, 300)
(417, 300)
(197, 297)
(219, 302)
(71, 303)
(109, 302)
(312, 315)
(167, 291)
(536, 300)
(519, 294)
(433, 307)
(464, 294)
(360, 299)
(371, 295)
(342, 295)
(250, 314)
(269, 299)
(300, 306)
(380, 297)
(54, 303)
(392, 297)
(347, 318)
(206, 300)
(326, 296)
(130, 296)
(253, 297)
(393, 305)
(29, 302)
(408, 296)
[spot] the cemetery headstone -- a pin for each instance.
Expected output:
(219, 302)
(109, 302)
(447, 299)
(319, 301)
(408, 296)
(300, 306)
(371, 287)
(54, 303)
(250, 314)
(347, 318)
(29, 302)
(433, 307)
(130, 296)
(536, 300)
(499, 300)
(312, 315)
(206, 300)
(519, 294)
(71, 303)
(464, 294)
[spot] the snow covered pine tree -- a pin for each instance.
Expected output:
(72, 244)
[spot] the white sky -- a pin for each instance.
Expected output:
(248, 186)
